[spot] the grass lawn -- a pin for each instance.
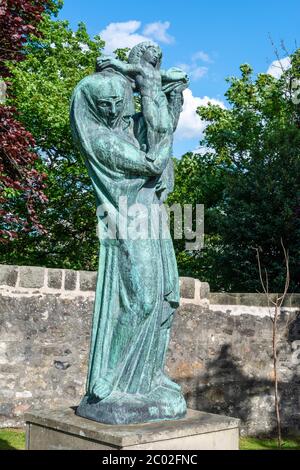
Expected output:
(14, 439)
(254, 443)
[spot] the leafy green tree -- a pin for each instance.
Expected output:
(259, 138)
(42, 86)
(199, 179)
(122, 53)
(248, 180)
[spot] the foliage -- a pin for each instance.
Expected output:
(199, 180)
(258, 137)
(247, 174)
(19, 19)
(44, 82)
(12, 439)
(42, 86)
(122, 54)
(256, 443)
(21, 185)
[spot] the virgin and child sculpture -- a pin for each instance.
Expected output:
(128, 155)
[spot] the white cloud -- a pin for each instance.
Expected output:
(123, 34)
(190, 125)
(158, 32)
(204, 150)
(200, 55)
(198, 72)
(194, 71)
(128, 34)
(185, 67)
(277, 67)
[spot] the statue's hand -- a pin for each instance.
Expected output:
(175, 81)
(101, 389)
(105, 62)
(178, 88)
(178, 75)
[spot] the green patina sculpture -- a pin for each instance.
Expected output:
(128, 155)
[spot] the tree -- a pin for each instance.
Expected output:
(199, 179)
(19, 19)
(42, 86)
(259, 138)
(277, 303)
(21, 184)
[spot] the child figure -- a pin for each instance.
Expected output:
(144, 67)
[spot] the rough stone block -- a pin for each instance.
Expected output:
(254, 299)
(31, 277)
(292, 300)
(247, 299)
(204, 290)
(54, 278)
(70, 279)
(187, 287)
(88, 280)
(6, 409)
(63, 430)
(8, 275)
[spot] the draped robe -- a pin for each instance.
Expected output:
(137, 285)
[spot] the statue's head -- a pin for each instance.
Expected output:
(105, 97)
(146, 51)
(110, 99)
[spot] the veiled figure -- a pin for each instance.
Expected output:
(137, 286)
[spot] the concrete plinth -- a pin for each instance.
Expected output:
(62, 429)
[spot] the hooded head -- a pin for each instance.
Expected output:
(100, 100)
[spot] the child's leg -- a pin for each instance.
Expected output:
(152, 137)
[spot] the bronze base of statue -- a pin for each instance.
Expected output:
(122, 408)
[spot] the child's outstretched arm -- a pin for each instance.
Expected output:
(116, 64)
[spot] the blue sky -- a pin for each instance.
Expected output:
(210, 39)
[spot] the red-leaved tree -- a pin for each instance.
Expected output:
(19, 18)
(21, 184)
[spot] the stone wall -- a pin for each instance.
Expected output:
(220, 351)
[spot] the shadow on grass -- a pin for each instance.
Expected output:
(12, 439)
(5, 445)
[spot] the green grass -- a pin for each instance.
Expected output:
(254, 443)
(12, 439)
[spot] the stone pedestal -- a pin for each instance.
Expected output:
(62, 429)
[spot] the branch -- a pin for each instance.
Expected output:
(287, 278)
(264, 286)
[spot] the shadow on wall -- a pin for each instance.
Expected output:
(226, 389)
